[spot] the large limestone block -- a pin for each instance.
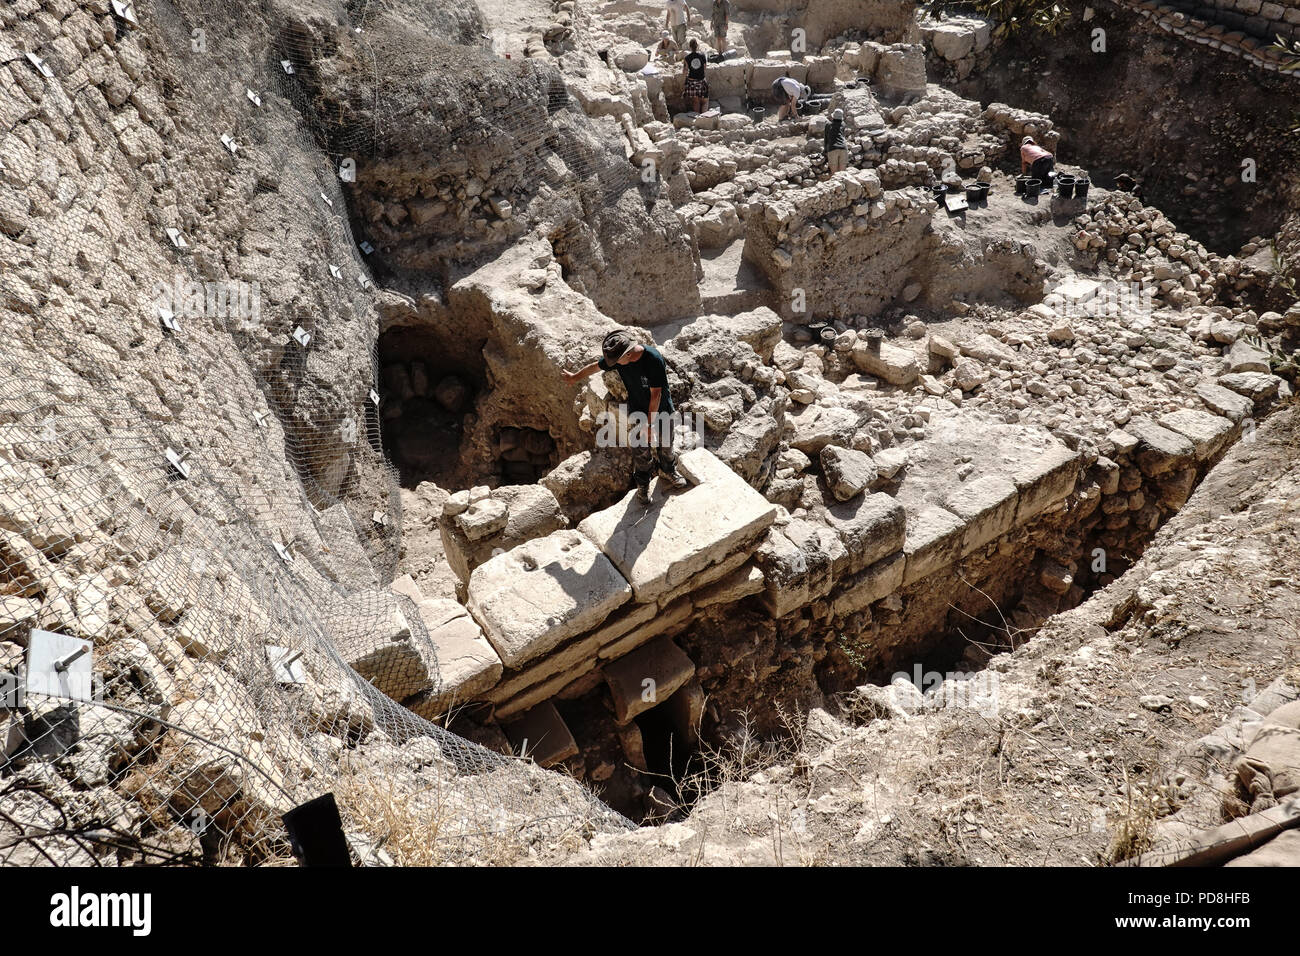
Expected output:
(813, 427)
(1209, 434)
(524, 512)
(374, 637)
(988, 507)
(660, 546)
(543, 735)
(467, 664)
(934, 541)
(1224, 401)
(1047, 477)
(1159, 450)
(897, 366)
(869, 528)
(543, 592)
(871, 584)
(647, 676)
(952, 41)
(797, 563)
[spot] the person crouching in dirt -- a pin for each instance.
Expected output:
(788, 92)
(1127, 184)
(697, 87)
(666, 49)
(649, 403)
(836, 146)
(1035, 160)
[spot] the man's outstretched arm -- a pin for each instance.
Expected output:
(573, 378)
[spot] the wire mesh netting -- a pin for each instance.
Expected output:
(198, 526)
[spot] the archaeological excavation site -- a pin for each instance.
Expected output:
(341, 521)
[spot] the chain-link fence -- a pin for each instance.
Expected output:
(198, 527)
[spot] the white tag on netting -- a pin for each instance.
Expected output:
(301, 336)
(364, 282)
(335, 271)
(287, 66)
(252, 97)
(228, 141)
(286, 665)
(177, 238)
(59, 666)
(381, 519)
(168, 319)
(260, 418)
(125, 10)
(177, 461)
(374, 396)
(284, 551)
(366, 248)
(329, 202)
(41, 66)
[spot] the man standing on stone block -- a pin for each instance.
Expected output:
(649, 403)
(836, 146)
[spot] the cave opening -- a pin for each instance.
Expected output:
(426, 399)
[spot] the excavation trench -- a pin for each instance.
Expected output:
(753, 678)
(1187, 123)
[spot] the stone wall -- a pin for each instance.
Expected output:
(816, 238)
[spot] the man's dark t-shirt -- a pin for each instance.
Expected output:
(647, 372)
(695, 64)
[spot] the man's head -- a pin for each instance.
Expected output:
(838, 115)
(1026, 141)
(695, 45)
(618, 347)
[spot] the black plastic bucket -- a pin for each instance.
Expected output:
(1032, 188)
(938, 191)
(1081, 185)
(1020, 184)
(977, 192)
(1065, 186)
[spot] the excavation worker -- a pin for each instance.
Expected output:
(788, 92)
(697, 87)
(1035, 160)
(720, 21)
(837, 147)
(667, 48)
(677, 19)
(649, 403)
(1127, 184)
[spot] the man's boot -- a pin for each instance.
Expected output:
(668, 472)
(642, 481)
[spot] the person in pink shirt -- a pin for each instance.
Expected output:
(1035, 160)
